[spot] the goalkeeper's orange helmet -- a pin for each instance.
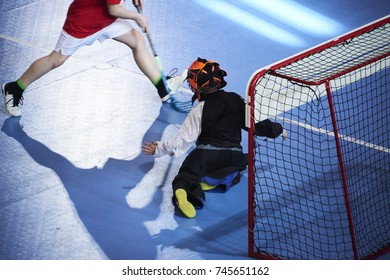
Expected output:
(205, 76)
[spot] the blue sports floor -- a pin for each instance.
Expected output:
(73, 181)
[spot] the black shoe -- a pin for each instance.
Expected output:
(12, 100)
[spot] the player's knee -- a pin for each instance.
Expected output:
(57, 59)
(139, 41)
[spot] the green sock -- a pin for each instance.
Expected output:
(157, 80)
(159, 84)
(21, 85)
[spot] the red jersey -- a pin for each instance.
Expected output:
(86, 17)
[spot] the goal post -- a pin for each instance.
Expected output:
(324, 192)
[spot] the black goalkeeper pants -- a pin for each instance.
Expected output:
(200, 162)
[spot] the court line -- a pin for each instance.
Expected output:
(331, 133)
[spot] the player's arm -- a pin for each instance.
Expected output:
(118, 11)
(182, 141)
(265, 128)
(270, 129)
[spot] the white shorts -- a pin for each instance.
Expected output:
(67, 44)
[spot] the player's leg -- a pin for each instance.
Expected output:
(187, 192)
(142, 57)
(42, 66)
(226, 177)
(201, 162)
(144, 60)
(13, 91)
(219, 183)
(182, 202)
(122, 31)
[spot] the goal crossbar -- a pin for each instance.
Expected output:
(316, 73)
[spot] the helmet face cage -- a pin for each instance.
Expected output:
(205, 76)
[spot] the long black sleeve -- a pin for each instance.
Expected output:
(268, 129)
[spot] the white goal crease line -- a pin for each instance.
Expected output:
(331, 133)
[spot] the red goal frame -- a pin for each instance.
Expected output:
(273, 70)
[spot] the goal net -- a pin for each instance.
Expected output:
(324, 192)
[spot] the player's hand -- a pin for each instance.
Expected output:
(142, 22)
(149, 148)
(139, 3)
(284, 134)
